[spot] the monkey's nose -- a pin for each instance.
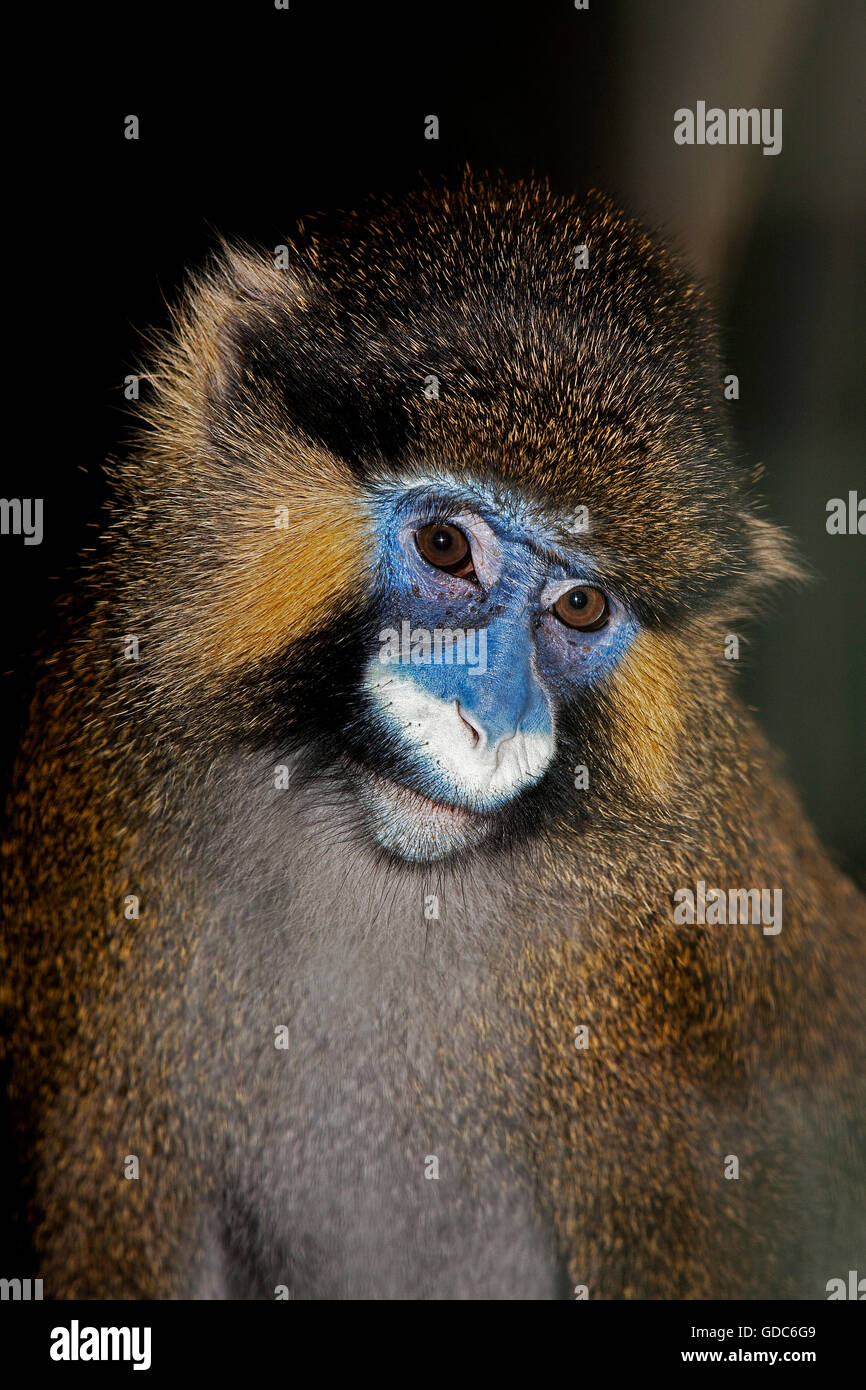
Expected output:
(481, 738)
(476, 733)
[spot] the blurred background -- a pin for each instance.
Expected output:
(252, 117)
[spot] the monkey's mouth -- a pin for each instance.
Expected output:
(414, 826)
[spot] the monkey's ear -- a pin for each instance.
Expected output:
(251, 280)
(772, 559)
(195, 364)
(276, 536)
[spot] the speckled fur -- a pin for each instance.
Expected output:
(410, 1036)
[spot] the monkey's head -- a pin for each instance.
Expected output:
(444, 507)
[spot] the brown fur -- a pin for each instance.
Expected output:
(703, 1041)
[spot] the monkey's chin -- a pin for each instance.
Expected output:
(412, 826)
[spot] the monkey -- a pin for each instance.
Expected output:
(348, 861)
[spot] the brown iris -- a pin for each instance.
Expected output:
(446, 547)
(583, 608)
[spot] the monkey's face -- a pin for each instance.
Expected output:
(491, 625)
(448, 512)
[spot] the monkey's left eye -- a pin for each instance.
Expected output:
(583, 608)
(447, 548)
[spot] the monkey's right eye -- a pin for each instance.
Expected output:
(446, 548)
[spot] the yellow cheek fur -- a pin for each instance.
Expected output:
(292, 559)
(647, 702)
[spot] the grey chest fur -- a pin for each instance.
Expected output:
(340, 1015)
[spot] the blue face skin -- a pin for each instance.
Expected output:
(534, 661)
